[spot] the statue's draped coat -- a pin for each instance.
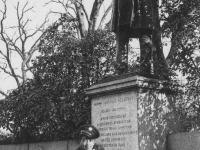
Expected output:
(132, 15)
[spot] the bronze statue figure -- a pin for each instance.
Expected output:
(134, 19)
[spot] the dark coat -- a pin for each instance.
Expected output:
(132, 14)
(96, 147)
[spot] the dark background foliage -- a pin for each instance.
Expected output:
(53, 105)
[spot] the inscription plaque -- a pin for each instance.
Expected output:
(116, 118)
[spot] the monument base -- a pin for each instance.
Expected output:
(134, 113)
(183, 141)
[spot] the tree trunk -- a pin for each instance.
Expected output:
(80, 17)
(94, 14)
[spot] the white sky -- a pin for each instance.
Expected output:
(6, 82)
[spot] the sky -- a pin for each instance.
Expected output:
(7, 83)
(37, 16)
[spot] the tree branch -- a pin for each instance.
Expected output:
(86, 14)
(65, 6)
(39, 28)
(19, 18)
(7, 44)
(94, 14)
(80, 17)
(7, 72)
(2, 93)
(3, 54)
(16, 48)
(104, 16)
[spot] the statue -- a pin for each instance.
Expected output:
(134, 19)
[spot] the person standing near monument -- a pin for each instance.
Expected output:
(136, 19)
(88, 133)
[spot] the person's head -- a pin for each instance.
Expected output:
(88, 134)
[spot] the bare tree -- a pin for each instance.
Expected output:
(16, 43)
(81, 17)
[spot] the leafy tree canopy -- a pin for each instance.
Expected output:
(53, 105)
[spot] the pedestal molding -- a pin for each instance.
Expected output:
(124, 84)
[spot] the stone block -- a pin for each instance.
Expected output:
(134, 113)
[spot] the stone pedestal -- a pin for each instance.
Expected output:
(183, 141)
(133, 113)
